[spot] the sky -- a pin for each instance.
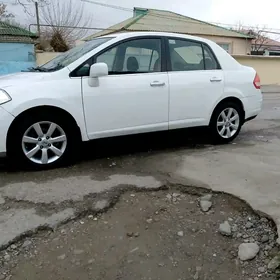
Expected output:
(247, 12)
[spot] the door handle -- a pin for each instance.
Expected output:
(157, 84)
(215, 79)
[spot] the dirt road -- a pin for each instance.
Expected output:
(43, 201)
(158, 235)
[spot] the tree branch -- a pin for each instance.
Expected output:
(65, 13)
(260, 35)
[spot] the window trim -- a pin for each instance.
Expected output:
(92, 60)
(203, 44)
(74, 74)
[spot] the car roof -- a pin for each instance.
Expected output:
(124, 35)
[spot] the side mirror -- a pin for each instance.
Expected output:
(97, 70)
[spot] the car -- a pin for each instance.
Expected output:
(121, 84)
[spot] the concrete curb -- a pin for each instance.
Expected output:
(270, 88)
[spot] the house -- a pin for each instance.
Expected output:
(265, 46)
(17, 50)
(158, 20)
(261, 43)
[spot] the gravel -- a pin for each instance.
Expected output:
(61, 257)
(26, 244)
(265, 238)
(78, 252)
(196, 250)
(262, 269)
(249, 225)
(180, 233)
(205, 205)
(7, 258)
(149, 221)
(274, 263)
(248, 251)
(206, 197)
(225, 229)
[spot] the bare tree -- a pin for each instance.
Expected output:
(4, 14)
(66, 19)
(7, 17)
(26, 5)
(259, 34)
(261, 40)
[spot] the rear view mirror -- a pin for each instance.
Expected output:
(97, 70)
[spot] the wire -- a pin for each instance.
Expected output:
(173, 17)
(14, 3)
(109, 6)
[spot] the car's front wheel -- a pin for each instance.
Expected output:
(226, 122)
(42, 141)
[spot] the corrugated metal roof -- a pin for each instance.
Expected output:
(10, 32)
(113, 29)
(16, 39)
(165, 21)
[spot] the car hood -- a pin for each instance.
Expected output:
(10, 80)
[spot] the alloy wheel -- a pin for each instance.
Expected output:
(44, 142)
(228, 123)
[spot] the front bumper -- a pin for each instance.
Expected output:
(6, 120)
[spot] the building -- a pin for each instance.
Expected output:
(261, 43)
(158, 20)
(265, 46)
(17, 50)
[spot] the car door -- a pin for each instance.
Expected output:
(133, 98)
(195, 81)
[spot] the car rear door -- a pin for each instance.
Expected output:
(195, 81)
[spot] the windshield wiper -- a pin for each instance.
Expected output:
(35, 69)
(42, 69)
(57, 67)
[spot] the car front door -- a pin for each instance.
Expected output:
(195, 80)
(133, 98)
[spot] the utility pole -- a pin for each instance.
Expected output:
(38, 19)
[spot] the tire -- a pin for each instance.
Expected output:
(226, 127)
(43, 140)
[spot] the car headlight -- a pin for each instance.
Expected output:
(4, 97)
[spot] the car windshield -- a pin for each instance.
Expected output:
(72, 55)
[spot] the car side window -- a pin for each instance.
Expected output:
(82, 71)
(108, 57)
(134, 56)
(185, 55)
(211, 62)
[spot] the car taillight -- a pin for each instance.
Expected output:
(257, 82)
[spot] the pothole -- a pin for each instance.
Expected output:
(158, 235)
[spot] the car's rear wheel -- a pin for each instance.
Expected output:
(226, 122)
(42, 141)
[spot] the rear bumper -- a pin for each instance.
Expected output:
(252, 106)
(6, 120)
(249, 119)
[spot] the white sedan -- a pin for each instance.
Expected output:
(122, 84)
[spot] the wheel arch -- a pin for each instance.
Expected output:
(231, 99)
(52, 110)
